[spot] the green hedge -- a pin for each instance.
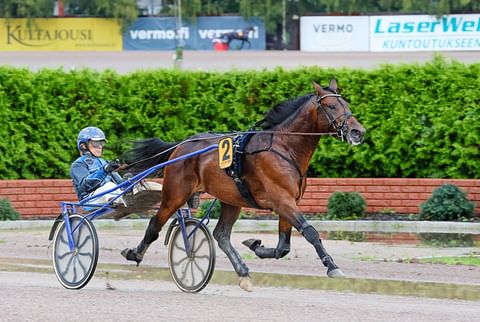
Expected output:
(421, 120)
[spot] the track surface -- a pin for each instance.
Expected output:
(38, 297)
(32, 296)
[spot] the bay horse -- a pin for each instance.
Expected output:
(275, 163)
(238, 35)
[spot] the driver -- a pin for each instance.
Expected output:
(92, 175)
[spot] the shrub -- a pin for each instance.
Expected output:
(7, 212)
(447, 240)
(204, 206)
(447, 203)
(346, 205)
(42, 113)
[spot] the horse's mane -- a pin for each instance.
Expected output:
(282, 111)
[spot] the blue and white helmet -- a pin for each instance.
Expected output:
(90, 133)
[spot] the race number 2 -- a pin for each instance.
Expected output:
(225, 153)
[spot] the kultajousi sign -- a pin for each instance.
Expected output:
(60, 34)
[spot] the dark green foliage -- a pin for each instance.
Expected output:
(421, 120)
(7, 212)
(204, 206)
(346, 205)
(447, 203)
(354, 236)
(124, 11)
(447, 240)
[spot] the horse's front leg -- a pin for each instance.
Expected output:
(222, 233)
(283, 245)
(295, 217)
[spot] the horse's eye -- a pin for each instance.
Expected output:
(331, 106)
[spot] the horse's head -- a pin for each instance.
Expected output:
(336, 111)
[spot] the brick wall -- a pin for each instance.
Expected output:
(41, 198)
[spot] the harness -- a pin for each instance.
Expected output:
(235, 171)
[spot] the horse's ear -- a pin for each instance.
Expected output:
(333, 84)
(318, 88)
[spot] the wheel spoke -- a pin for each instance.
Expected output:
(88, 238)
(191, 270)
(199, 268)
(203, 241)
(75, 272)
(203, 257)
(82, 266)
(85, 254)
(63, 255)
(62, 238)
(67, 266)
(180, 261)
(184, 273)
(179, 247)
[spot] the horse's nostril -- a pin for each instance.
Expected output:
(356, 134)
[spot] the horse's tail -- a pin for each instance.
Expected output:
(146, 154)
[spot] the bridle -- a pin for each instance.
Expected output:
(341, 128)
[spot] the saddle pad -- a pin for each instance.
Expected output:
(259, 142)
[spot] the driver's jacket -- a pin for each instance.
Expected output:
(88, 174)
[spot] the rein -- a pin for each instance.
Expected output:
(222, 135)
(340, 129)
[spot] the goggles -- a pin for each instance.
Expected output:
(98, 144)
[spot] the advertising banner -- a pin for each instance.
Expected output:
(160, 33)
(60, 34)
(334, 33)
(425, 33)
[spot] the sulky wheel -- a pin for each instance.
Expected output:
(75, 268)
(191, 274)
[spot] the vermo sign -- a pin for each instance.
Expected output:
(75, 34)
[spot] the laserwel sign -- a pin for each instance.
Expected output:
(425, 33)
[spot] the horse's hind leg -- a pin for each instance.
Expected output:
(155, 225)
(283, 246)
(222, 234)
(151, 234)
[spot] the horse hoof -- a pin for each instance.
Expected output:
(130, 255)
(245, 283)
(335, 273)
(252, 243)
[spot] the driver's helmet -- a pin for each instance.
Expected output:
(90, 133)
